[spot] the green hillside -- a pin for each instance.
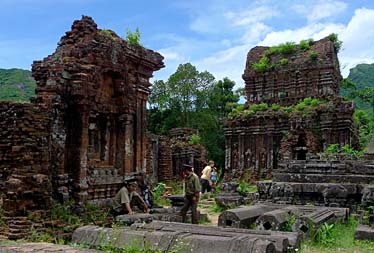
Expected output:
(362, 76)
(16, 85)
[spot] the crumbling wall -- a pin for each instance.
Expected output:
(167, 154)
(26, 183)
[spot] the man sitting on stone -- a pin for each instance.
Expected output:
(127, 198)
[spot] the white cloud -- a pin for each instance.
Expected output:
(251, 16)
(255, 33)
(315, 31)
(170, 55)
(322, 9)
(228, 58)
(358, 37)
(226, 63)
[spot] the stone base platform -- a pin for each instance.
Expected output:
(43, 248)
(364, 232)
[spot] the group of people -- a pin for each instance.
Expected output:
(128, 198)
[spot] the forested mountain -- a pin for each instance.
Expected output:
(363, 77)
(16, 85)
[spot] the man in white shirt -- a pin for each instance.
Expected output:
(206, 183)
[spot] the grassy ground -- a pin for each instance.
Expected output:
(339, 239)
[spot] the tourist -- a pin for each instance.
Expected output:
(127, 198)
(214, 178)
(192, 193)
(206, 179)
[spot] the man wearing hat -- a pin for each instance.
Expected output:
(127, 198)
(192, 193)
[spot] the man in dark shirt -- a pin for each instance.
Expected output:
(192, 194)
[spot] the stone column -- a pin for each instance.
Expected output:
(128, 161)
(228, 137)
(81, 181)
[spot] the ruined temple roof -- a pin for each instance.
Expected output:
(326, 57)
(85, 36)
(90, 62)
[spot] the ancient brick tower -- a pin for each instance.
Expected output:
(257, 139)
(87, 126)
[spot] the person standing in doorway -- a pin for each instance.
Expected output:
(206, 183)
(192, 193)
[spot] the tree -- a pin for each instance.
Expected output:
(366, 94)
(190, 98)
(364, 121)
(221, 96)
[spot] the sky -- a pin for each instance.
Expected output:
(213, 35)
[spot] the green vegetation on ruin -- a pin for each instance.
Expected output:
(133, 38)
(289, 48)
(109, 34)
(304, 108)
(285, 49)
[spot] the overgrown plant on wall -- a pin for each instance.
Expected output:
(133, 38)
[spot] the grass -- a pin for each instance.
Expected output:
(340, 238)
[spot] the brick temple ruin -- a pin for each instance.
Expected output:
(285, 142)
(257, 142)
(85, 129)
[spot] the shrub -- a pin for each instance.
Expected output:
(263, 106)
(262, 65)
(283, 61)
(300, 106)
(194, 139)
(335, 40)
(284, 48)
(313, 55)
(287, 47)
(248, 113)
(255, 107)
(332, 148)
(287, 109)
(325, 235)
(133, 38)
(275, 107)
(305, 44)
(315, 102)
(236, 112)
(307, 101)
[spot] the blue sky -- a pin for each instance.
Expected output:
(214, 35)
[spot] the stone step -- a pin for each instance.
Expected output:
(323, 178)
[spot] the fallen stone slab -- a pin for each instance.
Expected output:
(282, 240)
(167, 240)
(311, 222)
(128, 219)
(229, 199)
(274, 220)
(242, 217)
(364, 232)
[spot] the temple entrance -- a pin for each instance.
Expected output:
(300, 149)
